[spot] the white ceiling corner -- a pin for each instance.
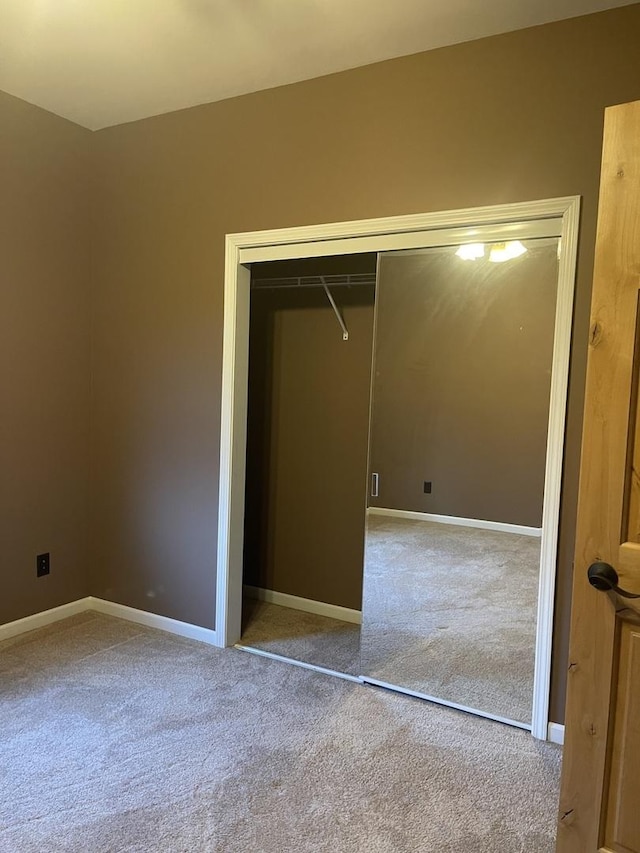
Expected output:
(104, 62)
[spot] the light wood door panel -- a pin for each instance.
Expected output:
(600, 796)
(622, 814)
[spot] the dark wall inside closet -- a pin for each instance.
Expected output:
(308, 415)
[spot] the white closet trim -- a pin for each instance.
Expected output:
(402, 240)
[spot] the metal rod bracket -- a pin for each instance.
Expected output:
(336, 310)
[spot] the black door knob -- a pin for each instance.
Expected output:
(604, 577)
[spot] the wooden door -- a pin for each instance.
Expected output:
(600, 797)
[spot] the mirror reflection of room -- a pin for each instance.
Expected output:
(307, 427)
(460, 408)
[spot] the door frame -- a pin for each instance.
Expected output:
(379, 235)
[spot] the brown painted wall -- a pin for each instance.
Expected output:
(308, 425)
(510, 118)
(44, 357)
(462, 380)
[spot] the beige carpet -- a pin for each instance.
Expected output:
(450, 612)
(320, 640)
(119, 738)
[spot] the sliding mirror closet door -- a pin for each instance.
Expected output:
(463, 353)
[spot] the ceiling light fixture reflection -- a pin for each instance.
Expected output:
(501, 252)
(471, 251)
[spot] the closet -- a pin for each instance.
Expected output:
(396, 459)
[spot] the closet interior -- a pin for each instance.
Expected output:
(307, 427)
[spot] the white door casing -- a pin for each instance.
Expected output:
(543, 218)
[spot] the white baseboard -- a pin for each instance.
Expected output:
(556, 733)
(46, 617)
(109, 608)
(501, 526)
(152, 620)
(320, 608)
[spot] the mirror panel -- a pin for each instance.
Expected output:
(458, 432)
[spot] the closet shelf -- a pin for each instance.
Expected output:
(355, 280)
(324, 281)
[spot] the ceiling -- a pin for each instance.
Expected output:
(104, 62)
